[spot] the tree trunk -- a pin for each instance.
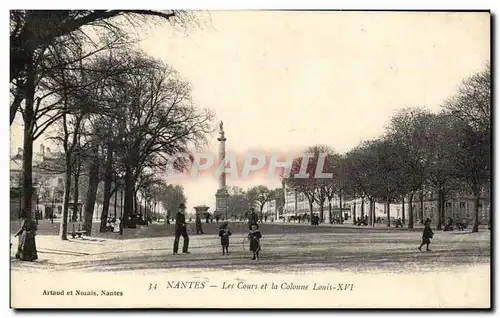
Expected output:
(76, 191)
(321, 211)
(489, 213)
(91, 195)
(421, 212)
(330, 218)
(370, 213)
(410, 211)
(140, 206)
(67, 187)
(136, 204)
(388, 204)
(443, 215)
(354, 211)
(108, 181)
(116, 201)
(439, 226)
(311, 202)
(340, 205)
(129, 199)
(362, 207)
(477, 197)
(16, 103)
(29, 124)
(122, 204)
(373, 214)
(403, 218)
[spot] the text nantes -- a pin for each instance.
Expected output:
(186, 284)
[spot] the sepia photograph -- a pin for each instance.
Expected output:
(250, 159)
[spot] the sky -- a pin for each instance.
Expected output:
(283, 81)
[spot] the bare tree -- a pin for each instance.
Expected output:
(409, 130)
(471, 105)
(260, 195)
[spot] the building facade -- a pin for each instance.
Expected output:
(48, 190)
(48, 184)
(457, 206)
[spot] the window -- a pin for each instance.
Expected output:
(59, 181)
(462, 205)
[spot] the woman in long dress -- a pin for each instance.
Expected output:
(26, 251)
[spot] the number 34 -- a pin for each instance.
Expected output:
(152, 286)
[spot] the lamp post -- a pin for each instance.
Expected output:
(20, 194)
(52, 210)
(36, 187)
(37, 202)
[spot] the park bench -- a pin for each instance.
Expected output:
(77, 233)
(462, 225)
(397, 223)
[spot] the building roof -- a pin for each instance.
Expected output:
(201, 207)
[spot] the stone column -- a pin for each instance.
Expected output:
(221, 196)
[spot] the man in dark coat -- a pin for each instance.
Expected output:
(181, 230)
(253, 218)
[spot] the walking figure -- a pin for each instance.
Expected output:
(252, 217)
(120, 225)
(199, 229)
(181, 230)
(426, 236)
(254, 236)
(26, 250)
(224, 234)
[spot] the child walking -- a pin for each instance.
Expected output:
(254, 236)
(224, 234)
(426, 236)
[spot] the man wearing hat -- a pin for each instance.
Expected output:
(180, 230)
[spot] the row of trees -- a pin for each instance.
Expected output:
(446, 153)
(241, 201)
(114, 111)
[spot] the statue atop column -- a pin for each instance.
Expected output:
(221, 130)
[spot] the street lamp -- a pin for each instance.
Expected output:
(52, 210)
(37, 191)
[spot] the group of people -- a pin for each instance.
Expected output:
(254, 234)
(114, 225)
(27, 247)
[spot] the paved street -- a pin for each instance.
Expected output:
(284, 247)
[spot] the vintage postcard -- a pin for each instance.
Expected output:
(250, 159)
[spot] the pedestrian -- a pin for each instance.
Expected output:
(120, 225)
(253, 218)
(26, 250)
(181, 230)
(224, 233)
(426, 236)
(254, 236)
(199, 229)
